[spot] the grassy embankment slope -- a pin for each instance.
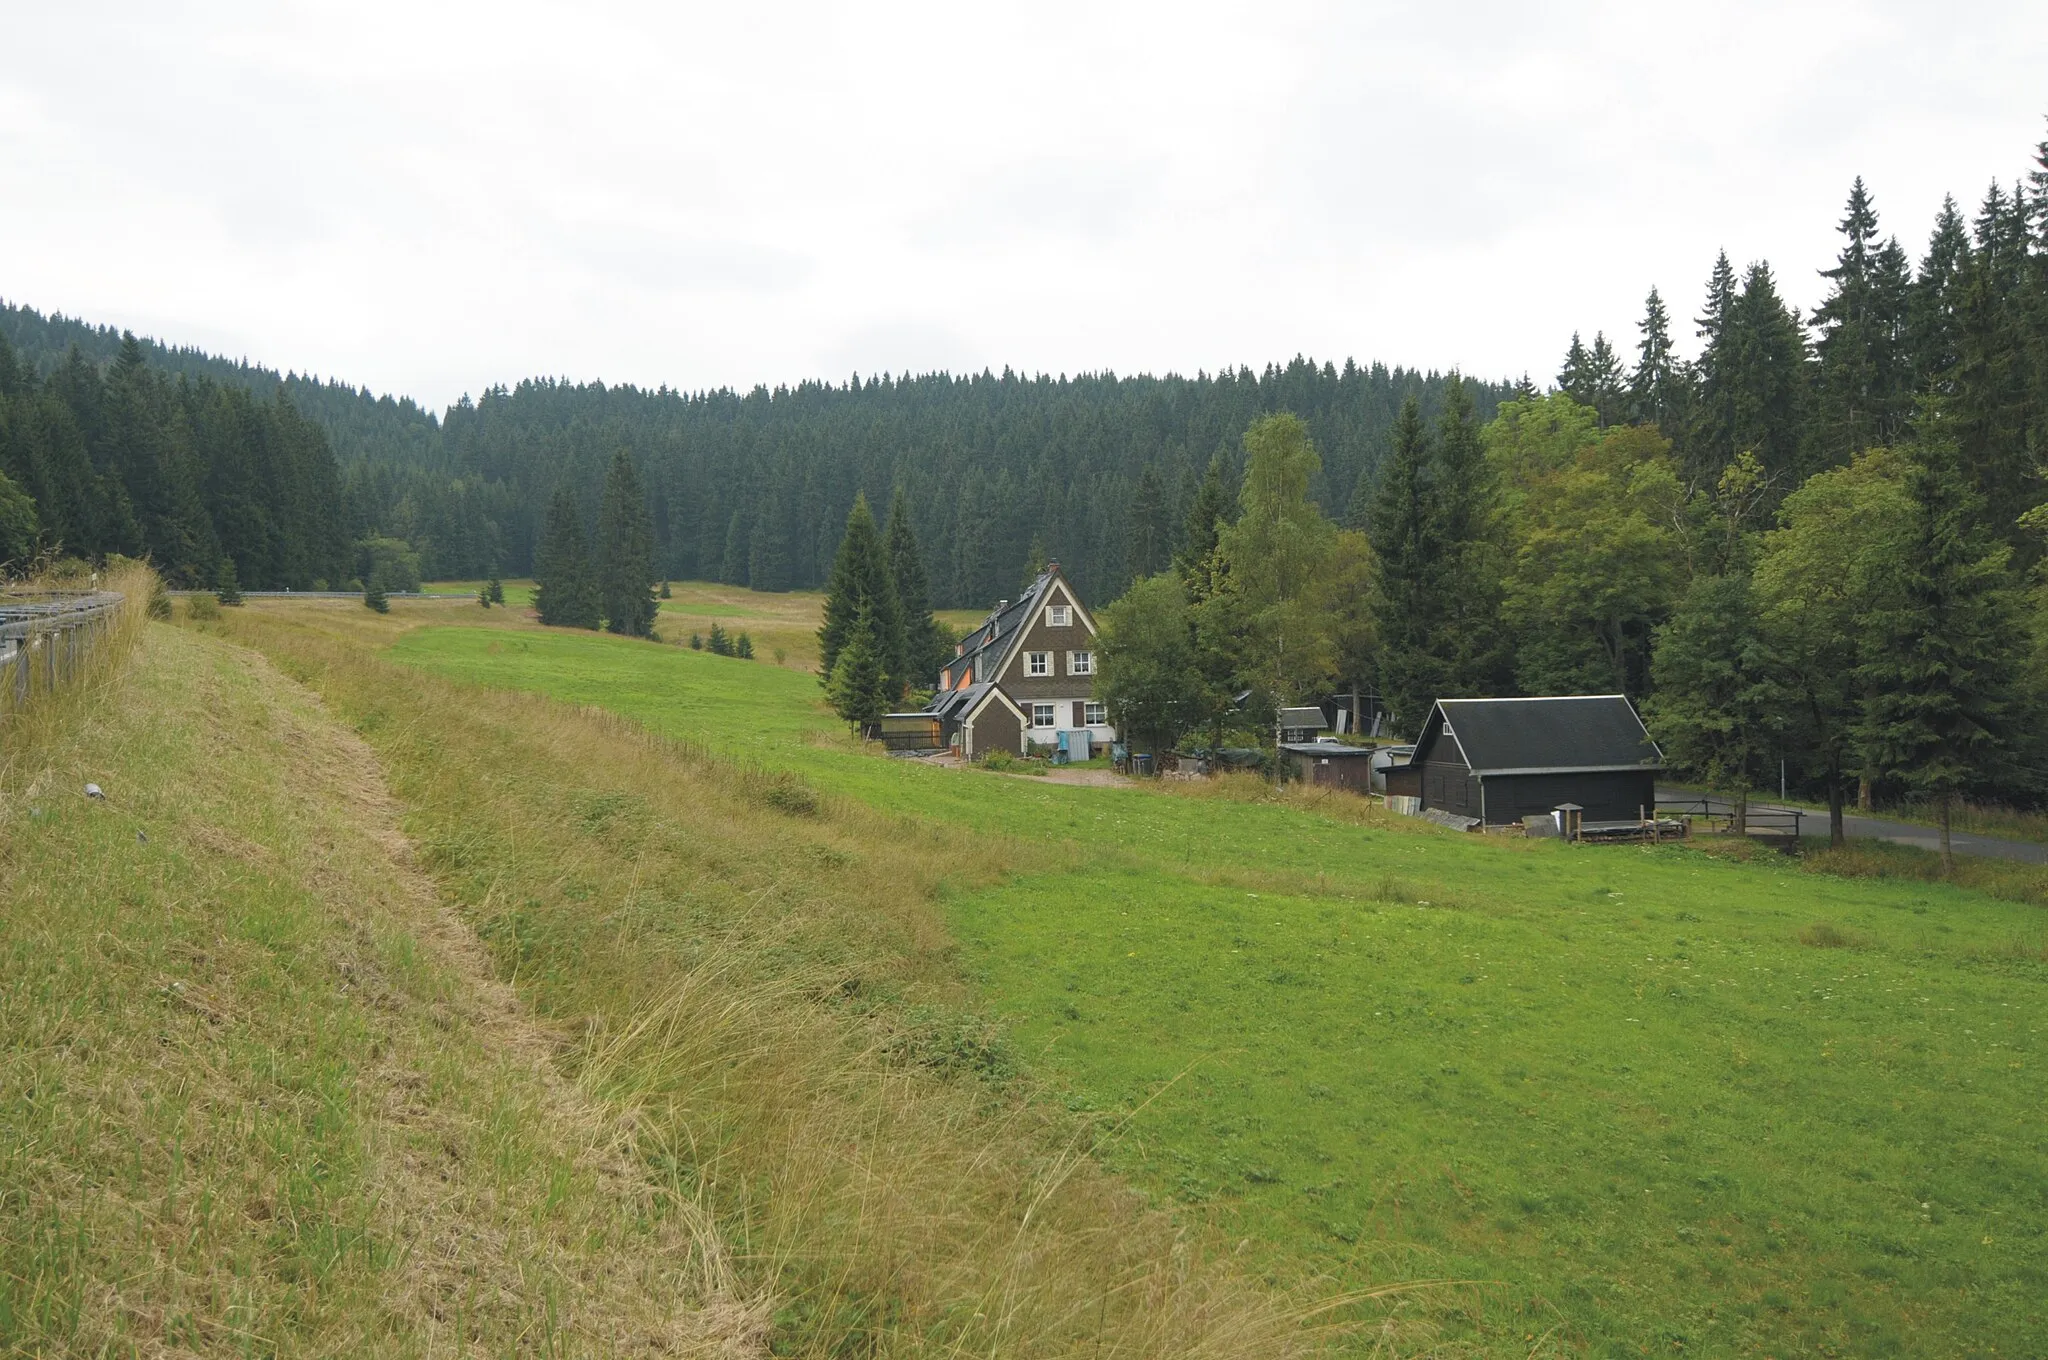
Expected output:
(1659, 1098)
(266, 1090)
(258, 1093)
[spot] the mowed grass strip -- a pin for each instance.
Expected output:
(258, 1094)
(1659, 1096)
(761, 986)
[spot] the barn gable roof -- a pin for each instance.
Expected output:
(1574, 733)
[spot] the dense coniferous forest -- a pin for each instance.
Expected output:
(1094, 471)
(203, 477)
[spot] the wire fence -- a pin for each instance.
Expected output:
(48, 638)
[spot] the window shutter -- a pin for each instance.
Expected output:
(1080, 714)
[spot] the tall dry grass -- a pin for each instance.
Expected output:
(27, 730)
(758, 983)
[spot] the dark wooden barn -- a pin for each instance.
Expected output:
(1501, 760)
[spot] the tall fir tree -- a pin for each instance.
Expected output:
(1406, 536)
(1466, 638)
(1861, 389)
(858, 686)
(1151, 531)
(1207, 513)
(1711, 443)
(861, 581)
(1655, 385)
(625, 552)
(1714, 709)
(927, 647)
(1941, 655)
(1988, 410)
(564, 593)
(1934, 300)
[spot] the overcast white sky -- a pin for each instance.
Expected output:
(429, 199)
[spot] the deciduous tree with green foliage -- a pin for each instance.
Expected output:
(1819, 576)
(1148, 673)
(1599, 547)
(1276, 553)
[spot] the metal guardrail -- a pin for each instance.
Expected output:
(46, 637)
(1759, 820)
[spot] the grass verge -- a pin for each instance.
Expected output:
(761, 987)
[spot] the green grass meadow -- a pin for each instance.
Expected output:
(1634, 1100)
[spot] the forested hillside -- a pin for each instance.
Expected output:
(193, 472)
(1096, 470)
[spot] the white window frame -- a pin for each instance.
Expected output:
(1097, 714)
(1049, 711)
(1080, 663)
(1059, 616)
(1037, 663)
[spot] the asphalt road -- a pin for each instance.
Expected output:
(1863, 827)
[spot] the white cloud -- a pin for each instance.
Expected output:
(434, 198)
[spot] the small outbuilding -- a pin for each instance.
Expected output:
(1301, 724)
(1329, 762)
(1500, 760)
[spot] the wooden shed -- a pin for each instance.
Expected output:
(1329, 762)
(1501, 760)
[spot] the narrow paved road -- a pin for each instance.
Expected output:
(1864, 827)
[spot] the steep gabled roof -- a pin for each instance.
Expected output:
(1570, 733)
(987, 648)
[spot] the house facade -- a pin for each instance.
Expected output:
(1023, 676)
(1501, 760)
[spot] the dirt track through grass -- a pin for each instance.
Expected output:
(760, 984)
(263, 1094)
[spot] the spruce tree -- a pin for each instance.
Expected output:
(857, 686)
(718, 644)
(927, 647)
(1575, 379)
(1940, 655)
(1714, 709)
(1466, 637)
(1654, 396)
(1712, 441)
(483, 595)
(1858, 392)
(1987, 409)
(1935, 297)
(861, 580)
(1209, 509)
(564, 595)
(1405, 532)
(1150, 531)
(495, 590)
(743, 647)
(768, 562)
(227, 582)
(374, 597)
(625, 552)
(1608, 387)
